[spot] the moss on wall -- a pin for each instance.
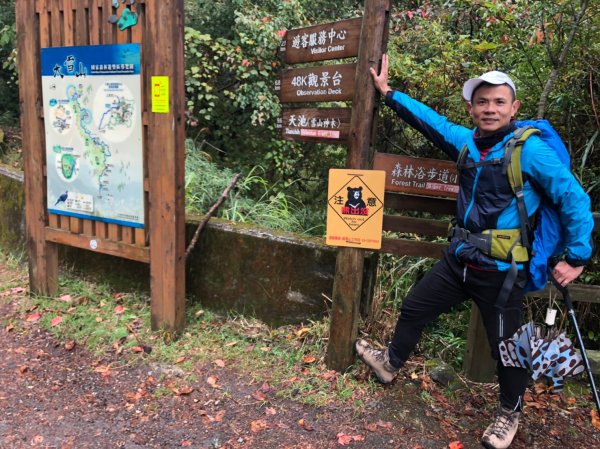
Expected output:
(12, 209)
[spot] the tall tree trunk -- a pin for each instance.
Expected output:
(558, 64)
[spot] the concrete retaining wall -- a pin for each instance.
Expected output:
(277, 277)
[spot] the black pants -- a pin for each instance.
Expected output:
(448, 284)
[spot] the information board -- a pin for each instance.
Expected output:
(93, 126)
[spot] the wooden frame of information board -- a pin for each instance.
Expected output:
(160, 242)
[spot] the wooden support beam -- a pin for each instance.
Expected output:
(350, 261)
(166, 165)
(104, 246)
(414, 248)
(478, 364)
(411, 225)
(402, 201)
(43, 258)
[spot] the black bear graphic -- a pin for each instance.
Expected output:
(355, 204)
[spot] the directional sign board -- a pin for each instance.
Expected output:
(355, 208)
(419, 176)
(310, 84)
(321, 42)
(324, 125)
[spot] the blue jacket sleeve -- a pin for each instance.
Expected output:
(447, 136)
(555, 180)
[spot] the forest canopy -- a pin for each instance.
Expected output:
(550, 48)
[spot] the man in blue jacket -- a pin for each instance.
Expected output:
(485, 202)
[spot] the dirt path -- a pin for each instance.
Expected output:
(52, 396)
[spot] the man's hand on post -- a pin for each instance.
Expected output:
(565, 273)
(381, 80)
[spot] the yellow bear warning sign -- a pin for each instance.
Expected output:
(355, 208)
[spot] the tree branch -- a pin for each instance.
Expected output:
(557, 66)
(210, 213)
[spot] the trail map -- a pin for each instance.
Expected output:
(92, 112)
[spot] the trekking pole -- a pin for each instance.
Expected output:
(564, 291)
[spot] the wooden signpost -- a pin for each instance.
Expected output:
(313, 84)
(364, 38)
(51, 27)
(418, 176)
(315, 124)
(321, 42)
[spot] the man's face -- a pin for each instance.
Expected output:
(492, 108)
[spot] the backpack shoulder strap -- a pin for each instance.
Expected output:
(462, 157)
(512, 156)
(512, 168)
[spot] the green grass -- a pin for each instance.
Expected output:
(253, 200)
(105, 322)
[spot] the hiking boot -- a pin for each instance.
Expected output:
(376, 359)
(501, 432)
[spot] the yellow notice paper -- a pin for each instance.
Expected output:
(355, 208)
(160, 94)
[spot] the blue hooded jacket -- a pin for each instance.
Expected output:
(486, 200)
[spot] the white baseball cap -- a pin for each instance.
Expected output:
(493, 77)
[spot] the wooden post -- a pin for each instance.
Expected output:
(350, 261)
(478, 364)
(166, 167)
(43, 257)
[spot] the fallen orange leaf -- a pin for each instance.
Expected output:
(306, 426)
(103, 369)
(33, 317)
(301, 332)
(330, 375)
(385, 424)
(595, 419)
(185, 390)
(119, 309)
(259, 425)
(309, 359)
(259, 396)
(56, 321)
(12, 291)
(456, 445)
(372, 427)
(344, 439)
